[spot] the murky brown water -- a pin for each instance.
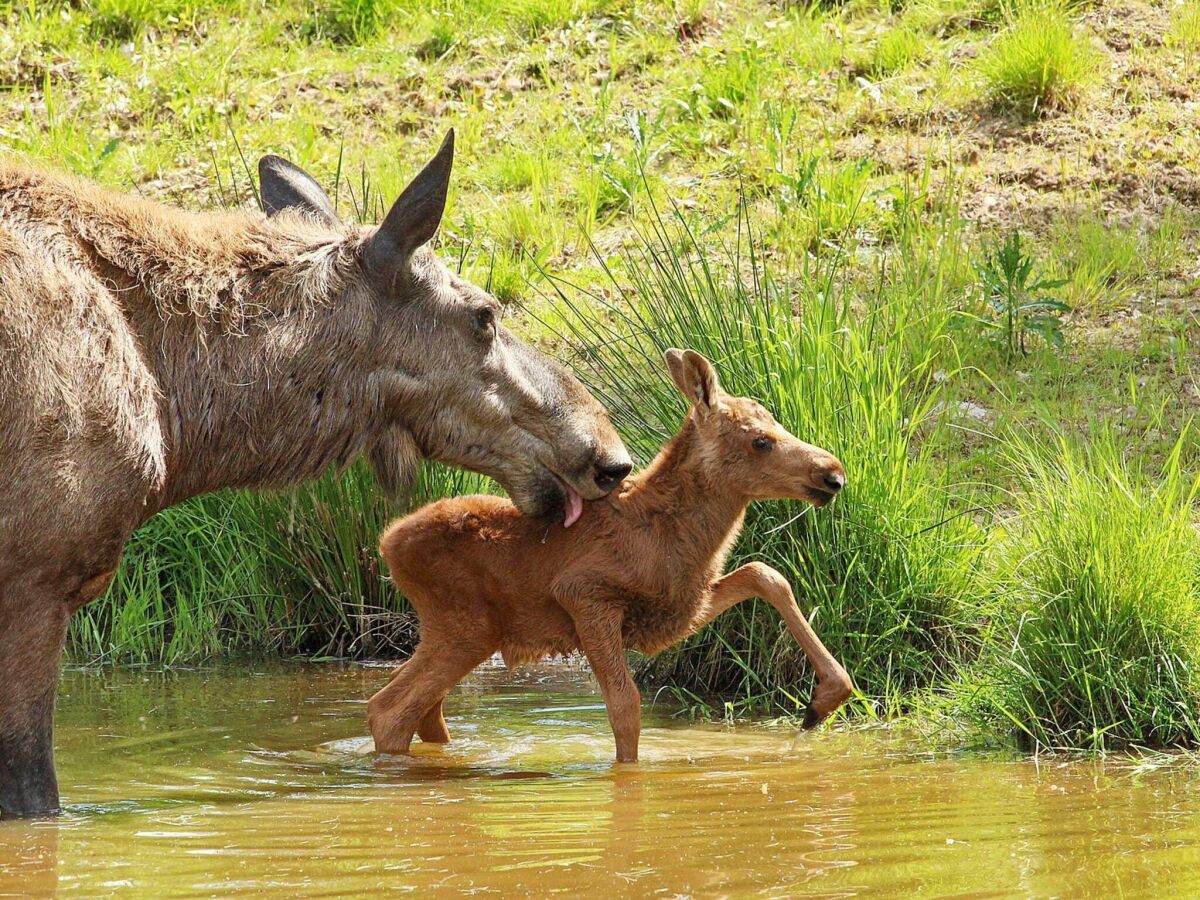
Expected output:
(239, 781)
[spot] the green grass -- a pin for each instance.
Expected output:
(898, 48)
(344, 21)
(1185, 27)
(245, 573)
(1098, 602)
(1039, 62)
(1103, 261)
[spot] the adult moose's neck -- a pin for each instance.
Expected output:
(259, 343)
(680, 493)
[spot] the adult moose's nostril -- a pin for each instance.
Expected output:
(610, 475)
(835, 481)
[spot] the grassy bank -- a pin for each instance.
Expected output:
(1017, 539)
(1096, 603)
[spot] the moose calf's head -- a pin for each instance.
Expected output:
(745, 447)
(450, 382)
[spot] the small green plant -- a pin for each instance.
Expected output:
(345, 21)
(1103, 261)
(508, 275)
(617, 177)
(1039, 63)
(535, 17)
(690, 18)
(1016, 305)
(118, 21)
(443, 37)
(819, 204)
(897, 49)
(724, 87)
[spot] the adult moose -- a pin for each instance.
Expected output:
(148, 355)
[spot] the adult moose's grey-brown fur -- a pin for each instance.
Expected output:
(148, 355)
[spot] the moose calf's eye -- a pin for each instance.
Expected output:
(761, 443)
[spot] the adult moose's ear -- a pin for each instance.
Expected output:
(286, 186)
(414, 217)
(695, 377)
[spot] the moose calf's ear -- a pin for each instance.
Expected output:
(674, 360)
(695, 377)
(416, 214)
(285, 186)
(703, 378)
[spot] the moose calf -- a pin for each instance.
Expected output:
(642, 569)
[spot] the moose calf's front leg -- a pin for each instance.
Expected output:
(757, 579)
(602, 643)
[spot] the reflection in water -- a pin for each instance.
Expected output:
(225, 780)
(28, 859)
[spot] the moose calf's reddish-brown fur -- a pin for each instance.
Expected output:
(641, 569)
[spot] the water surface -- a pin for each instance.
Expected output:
(194, 783)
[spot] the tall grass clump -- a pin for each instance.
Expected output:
(1103, 261)
(1038, 62)
(192, 585)
(885, 572)
(1099, 591)
(1184, 32)
(898, 48)
(345, 21)
(532, 18)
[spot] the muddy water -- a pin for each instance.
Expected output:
(259, 781)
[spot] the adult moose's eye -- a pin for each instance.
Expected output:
(762, 444)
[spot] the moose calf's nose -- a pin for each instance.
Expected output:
(835, 481)
(609, 475)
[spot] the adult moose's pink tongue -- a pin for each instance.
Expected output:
(572, 506)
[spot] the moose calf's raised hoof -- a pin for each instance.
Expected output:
(831, 692)
(638, 569)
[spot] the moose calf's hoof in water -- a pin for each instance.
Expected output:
(638, 569)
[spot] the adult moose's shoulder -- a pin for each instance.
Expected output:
(152, 355)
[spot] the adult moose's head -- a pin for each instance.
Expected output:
(449, 381)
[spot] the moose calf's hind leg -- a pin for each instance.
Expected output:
(757, 579)
(397, 711)
(432, 729)
(602, 643)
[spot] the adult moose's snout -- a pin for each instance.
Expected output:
(610, 474)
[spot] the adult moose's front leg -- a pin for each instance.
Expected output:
(602, 643)
(33, 628)
(757, 579)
